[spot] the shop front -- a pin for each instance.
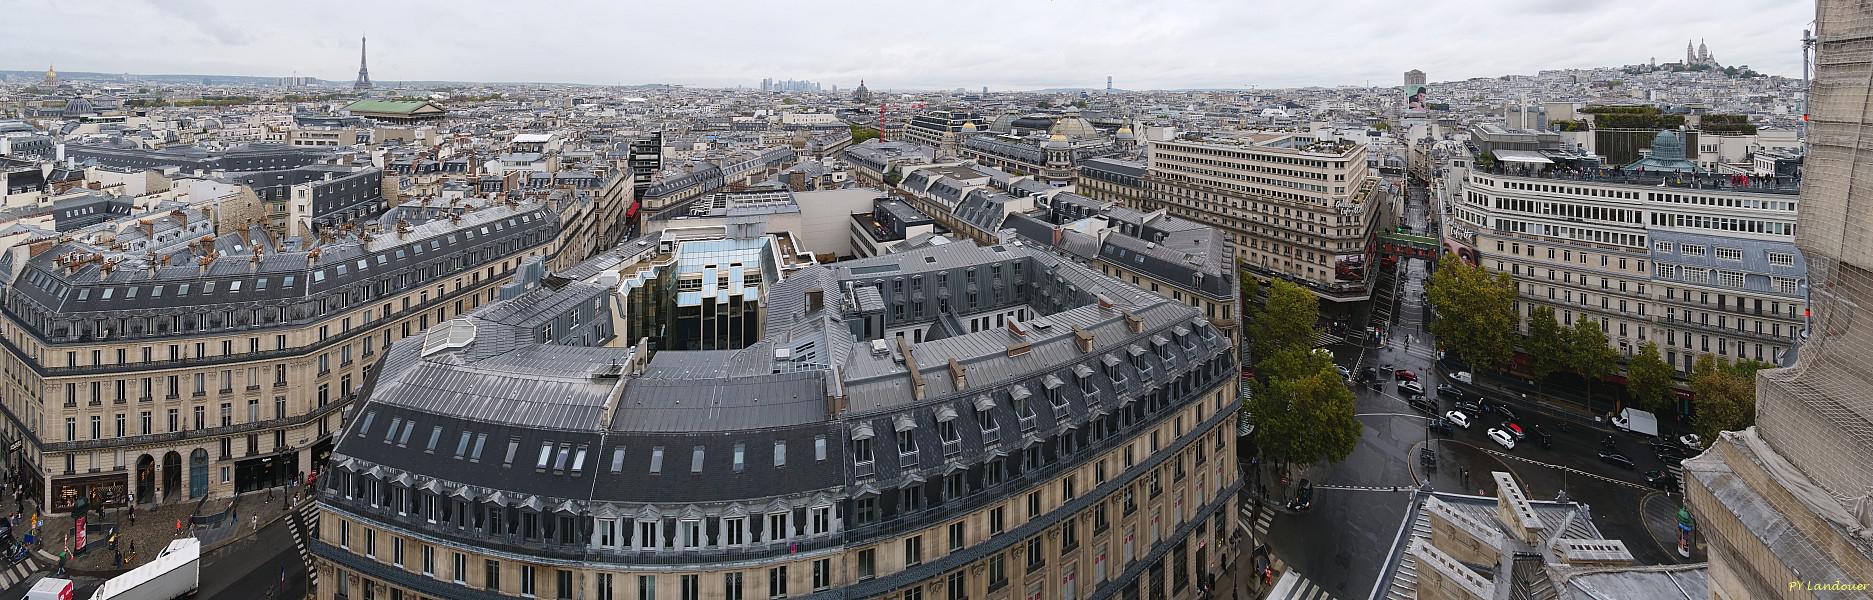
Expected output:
(321, 452)
(102, 491)
(264, 472)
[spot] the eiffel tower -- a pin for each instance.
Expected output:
(364, 73)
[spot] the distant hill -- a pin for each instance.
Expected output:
(133, 78)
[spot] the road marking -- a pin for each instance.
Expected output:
(1568, 469)
(1364, 488)
(1411, 415)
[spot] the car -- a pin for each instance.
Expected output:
(1438, 426)
(1663, 480)
(1502, 438)
(1303, 497)
(1499, 408)
(1468, 407)
(1344, 372)
(1667, 451)
(1445, 390)
(1609, 444)
(1463, 376)
(1422, 404)
(1691, 441)
(1410, 387)
(1514, 429)
(1404, 375)
(1616, 459)
(1387, 368)
(1456, 417)
(1369, 374)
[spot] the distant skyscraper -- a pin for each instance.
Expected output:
(364, 72)
(1108, 84)
(985, 90)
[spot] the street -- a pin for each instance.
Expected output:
(1359, 502)
(247, 569)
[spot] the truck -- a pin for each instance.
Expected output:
(173, 573)
(50, 589)
(1637, 421)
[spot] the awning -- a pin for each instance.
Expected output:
(945, 413)
(984, 402)
(1019, 392)
(862, 432)
(1082, 371)
(1109, 360)
(903, 423)
(1135, 350)
(1051, 382)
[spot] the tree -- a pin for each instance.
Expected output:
(1475, 312)
(1588, 354)
(1251, 296)
(1648, 378)
(1305, 419)
(1286, 321)
(1725, 399)
(1546, 343)
(860, 134)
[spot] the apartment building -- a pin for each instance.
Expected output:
(1057, 434)
(1291, 206)
(176, 356)
(1698, 266)
(943, 130)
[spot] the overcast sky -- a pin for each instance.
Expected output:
(1005, 44)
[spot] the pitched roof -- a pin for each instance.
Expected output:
(399, 107)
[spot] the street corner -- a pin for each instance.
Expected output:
(1666, 521)
(1462, 468)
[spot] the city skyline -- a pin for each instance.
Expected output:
(1187, 45)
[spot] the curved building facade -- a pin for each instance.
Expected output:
(1056, 434)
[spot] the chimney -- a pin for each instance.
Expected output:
(1104, 301)
(910, 364)
(1134, 323)
(1015, 328)
(1084, 338)
(1018, 348)
(959, 374)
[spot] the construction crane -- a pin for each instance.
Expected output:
(883, 107)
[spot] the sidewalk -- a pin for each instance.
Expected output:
(156, 526)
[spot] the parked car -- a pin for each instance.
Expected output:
(1616, 459)
(1691, 441)
(1668, 452)
(1502, 438)
(1422, 404)
(1344, 372)
(1410, 387)
(1663, 480)
(1404, 375)
(1468, 407)
(1456, 417)
(1463, 376)
(1369, 374)
(1445, 390)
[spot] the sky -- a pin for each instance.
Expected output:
(1005, 44)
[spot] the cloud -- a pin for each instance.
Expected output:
(1003, 44)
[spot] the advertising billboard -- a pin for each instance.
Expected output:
(1416, 97)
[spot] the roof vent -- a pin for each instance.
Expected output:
(879, 348)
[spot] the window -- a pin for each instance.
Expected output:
(956, 540)
(689, 587)
(822, 574)
(526, 580)
(646, 587)
(1691, 250)
(957, 586)
(867, 563)
(777, 582)
(996, 521)
(913, 550)
(731, 586)
(1781, 259)
(1035, 560)
(1729, 253)
(1729, 278)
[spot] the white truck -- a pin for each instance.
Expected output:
(173, 573)
(50, 588)
(1637, 421)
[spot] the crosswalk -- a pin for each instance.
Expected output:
(1294, 586)
(17, 572)
(1255, 520)
(303, 525)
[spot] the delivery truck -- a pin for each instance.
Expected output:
(1637, 421)
(173, 573)
(50, 588)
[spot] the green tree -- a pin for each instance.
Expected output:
(1725, 399)
(1546, 343)
(1382, 126)
(1475, 312)
(1286, 321)
(1648, 378)
(1588, 354)
(860, 134)
(1305, 419)
(1251, 296)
